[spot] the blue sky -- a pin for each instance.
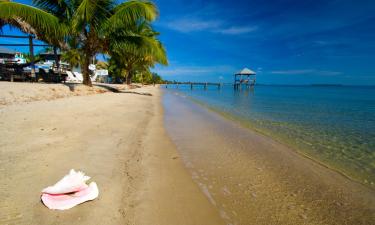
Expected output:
(284, 41)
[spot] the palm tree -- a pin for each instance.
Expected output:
(137, 51)
(90, 23)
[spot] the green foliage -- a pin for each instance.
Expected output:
(100, 65)
(137, 51)
(84, 28)
(28, 57)
(45, 26)
(73, 57)
(156, 79)
(147, 78)
(138, 76)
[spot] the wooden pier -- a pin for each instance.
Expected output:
(192, 84)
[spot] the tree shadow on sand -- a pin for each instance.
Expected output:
(72, 87)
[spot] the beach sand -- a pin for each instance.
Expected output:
(116, 138)
(213, 172)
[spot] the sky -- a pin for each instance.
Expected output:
(283, 41)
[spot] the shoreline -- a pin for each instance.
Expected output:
(168, 193)
(248, 125)
(115, 138)
(240, 167)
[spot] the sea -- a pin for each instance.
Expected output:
(333, 125)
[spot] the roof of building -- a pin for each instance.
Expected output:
(7, 51)
(246, 71)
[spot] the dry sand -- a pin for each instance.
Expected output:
(13, 93)
(116, 138)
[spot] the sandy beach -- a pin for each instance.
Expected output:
(116, 138)
(152, 167)
(147, 112)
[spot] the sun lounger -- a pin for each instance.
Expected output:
(78, 76)
(71, 76)
(93, 78)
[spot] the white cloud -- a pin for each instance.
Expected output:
(195, 70)
(186, 25)
(236, 30)
(189, 25)
(307, 71)
(292, 72)
(329, 73)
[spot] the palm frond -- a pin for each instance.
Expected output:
(131, 12)
(73, 57)
(140, 47)
(93, 13)
(138, 40)
(56, 7)
(43, 22)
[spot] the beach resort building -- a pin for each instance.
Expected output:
(6, 54)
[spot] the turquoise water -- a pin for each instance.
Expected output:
(331, 124)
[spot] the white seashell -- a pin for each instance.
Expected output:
(73, 182)
(65, 201)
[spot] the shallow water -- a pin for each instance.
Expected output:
(334, 125)
(251, 179)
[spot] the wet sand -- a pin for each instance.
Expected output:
(252, 179)
(116, 138)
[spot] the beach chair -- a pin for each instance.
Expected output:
(93, 78)
(71, 76)
(78, 76)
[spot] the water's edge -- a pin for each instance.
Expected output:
(251, 177)
(248, 125)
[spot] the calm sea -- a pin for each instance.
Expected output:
(334, 125)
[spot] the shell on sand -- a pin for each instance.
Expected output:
(67, 201)
(72, 182)
(70, 191)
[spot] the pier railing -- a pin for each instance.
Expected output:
(192, 84)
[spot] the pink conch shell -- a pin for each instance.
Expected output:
(67, 201)
(73, 182)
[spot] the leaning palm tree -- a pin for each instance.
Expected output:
(88, 22)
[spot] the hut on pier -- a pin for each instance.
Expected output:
(245, 77)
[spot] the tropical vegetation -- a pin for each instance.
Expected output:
(84, 28)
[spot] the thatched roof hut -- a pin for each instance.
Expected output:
(244, 77)
(246, 71)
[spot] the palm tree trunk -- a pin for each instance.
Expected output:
(129, 77)
(85, 70)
